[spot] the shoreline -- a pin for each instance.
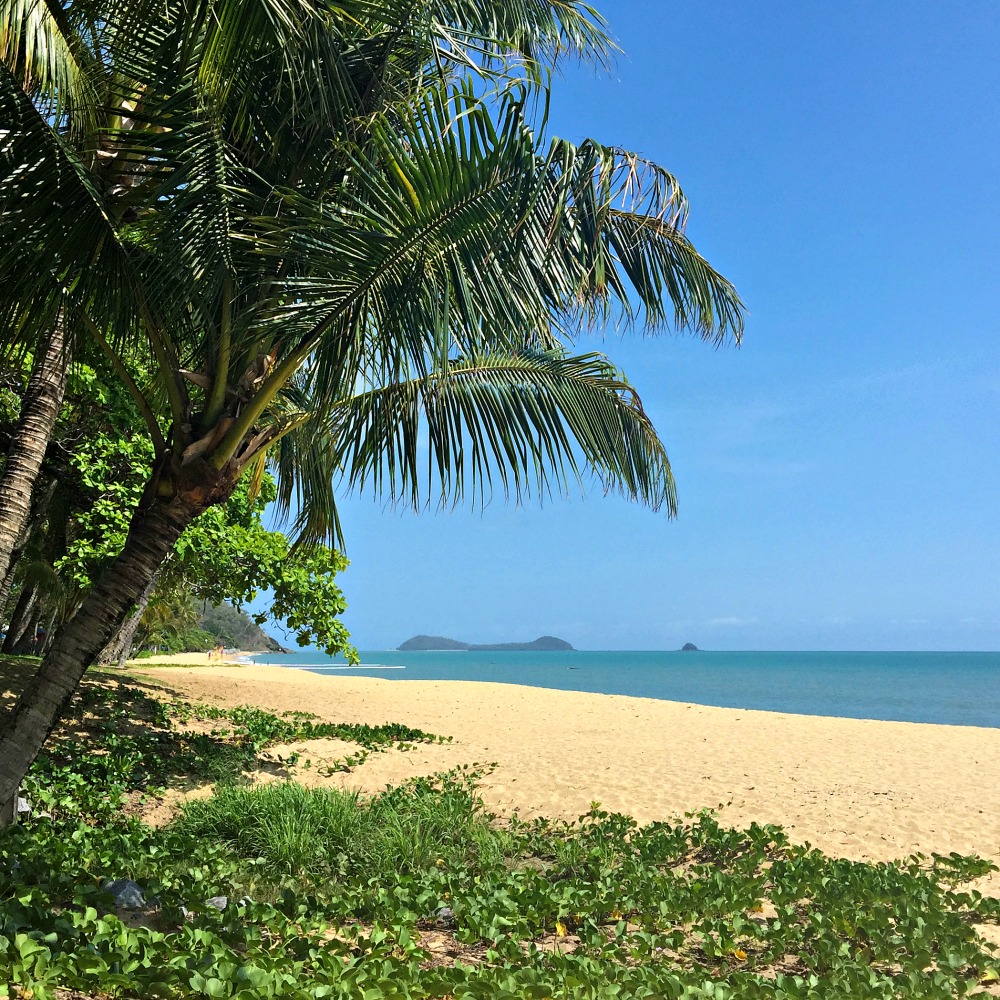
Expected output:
(752, 704)
(862, 789)
(951, 689)
(192, 660)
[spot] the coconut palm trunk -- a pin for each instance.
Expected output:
(39, 410)
(129, 629)
(41, 498)
(155, 528)
(20, 619)
(118, 649)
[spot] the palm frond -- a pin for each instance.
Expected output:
(298, 209)
(453, 235)
(521, 426)
(57, 234)
(488, 35)
(42, 42)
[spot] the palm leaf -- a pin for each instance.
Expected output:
(524, 425)
(42, 42)
(454, 235)
(58, 234)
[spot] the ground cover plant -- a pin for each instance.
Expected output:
(420, 892)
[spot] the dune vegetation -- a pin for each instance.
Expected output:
(269, 889)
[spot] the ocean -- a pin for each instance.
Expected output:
(960, 689)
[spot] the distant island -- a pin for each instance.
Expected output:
(543, 644)
(690, 647)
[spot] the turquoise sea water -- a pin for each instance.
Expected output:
(953, 688)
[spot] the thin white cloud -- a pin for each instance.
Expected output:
(892, 378)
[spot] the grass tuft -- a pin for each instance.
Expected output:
(319, 833)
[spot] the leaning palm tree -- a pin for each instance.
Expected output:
(346, 249)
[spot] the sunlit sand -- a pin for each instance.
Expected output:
(858, 789)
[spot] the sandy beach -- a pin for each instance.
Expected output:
(184, 659)
(856, 789)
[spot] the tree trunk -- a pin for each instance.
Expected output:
(20, 619)
(132, 626)
(27, 645)
(118, 649)
(39, 410)
(155, 528)
(6, 583)
(40, 501)
(50, 635)
(176, 494)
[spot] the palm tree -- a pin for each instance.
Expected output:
(45, 55)
(39, 409)
(335, 235)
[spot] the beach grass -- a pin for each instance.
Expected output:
(320, 835)
(421, 892)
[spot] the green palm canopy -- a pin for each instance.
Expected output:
(293, 210)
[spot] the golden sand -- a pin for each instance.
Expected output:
(185, 659)
(857, 789)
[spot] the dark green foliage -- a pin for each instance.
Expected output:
(189, 640)
(418, 892)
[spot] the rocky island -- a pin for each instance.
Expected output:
(690, 647)
(543, 644)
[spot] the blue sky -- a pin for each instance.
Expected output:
(838, 474)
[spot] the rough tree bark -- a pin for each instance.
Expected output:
(131, 626)
(39, 410)
(156, 526)
(40, 500)
(118, 649)
(20, 619)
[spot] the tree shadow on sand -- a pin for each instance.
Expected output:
(142, 737)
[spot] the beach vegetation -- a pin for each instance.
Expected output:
(319, 238)
(86, 495)
(275, 890)
(318, 836)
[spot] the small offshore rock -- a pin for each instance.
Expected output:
(218, 902)
(126, 894)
